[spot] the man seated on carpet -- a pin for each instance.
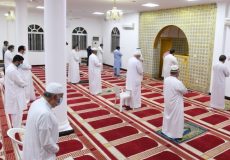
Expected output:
(173, 119)
(41, 133)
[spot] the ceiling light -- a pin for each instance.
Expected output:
(10, 16)
(150, 5)
(191, 0)
(98, 13)
(6, 14)
(114, 14)
(40, 7)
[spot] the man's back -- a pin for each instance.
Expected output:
(169, 60)
(220, 72)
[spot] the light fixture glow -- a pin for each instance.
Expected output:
(10, 16)
(192, 0)
(98, 13)
(150, 5)
(6, 14)
(40, 7)
(114, 13)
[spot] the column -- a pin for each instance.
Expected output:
(55, 60)
(21, 23)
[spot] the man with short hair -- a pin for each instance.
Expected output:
(15, 101)
(41, 133)
(134, 78)
(173, 116)
(9, 55)
(117, 61)
(94, 71)
(25, 70)
(89, 52)
(4, 48)
(220, 72)
(169, 60)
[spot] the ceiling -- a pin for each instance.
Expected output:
(85, 8)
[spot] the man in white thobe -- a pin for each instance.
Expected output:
(25, 69)
(220, 72)
(41, 133)
(100, 55)
(9, 55)
(168, 61)
(173, 117)
(74, 72)
(15, 101)
(134, 77)
(94, 72)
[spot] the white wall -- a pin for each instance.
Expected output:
(7, 31)
(129, 39)
(222, 38)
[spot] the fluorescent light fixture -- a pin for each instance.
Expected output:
(40, 7)
(98, 13)
(150, 5)
(6, 14)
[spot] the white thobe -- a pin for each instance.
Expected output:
(169, 60)
(74, 73)
(100, 56)
(8, 58)
(173, 119)
(94, 72)
(15, 101)
(41, 133)
(220, 72)
(134, 76)
(25, 69)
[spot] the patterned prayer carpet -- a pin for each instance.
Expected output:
(102, 132)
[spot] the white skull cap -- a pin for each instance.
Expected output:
(94, 49)
(54, 88)
(174, 68)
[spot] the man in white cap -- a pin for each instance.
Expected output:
(94, 72)
(41, 133)
(173, 119)
(134, 79)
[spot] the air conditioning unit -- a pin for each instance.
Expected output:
(128, 26)
(227, 21)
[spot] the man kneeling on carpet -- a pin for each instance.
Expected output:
(41, 134)
(173, 120)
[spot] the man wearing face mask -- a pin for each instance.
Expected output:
(15, 100)
(25, 70)
(41, 133)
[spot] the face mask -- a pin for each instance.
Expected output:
(59, 101)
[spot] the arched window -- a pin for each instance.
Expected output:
(79, 37)
(115, 38)
(35, 38)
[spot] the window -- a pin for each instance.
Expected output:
(115, 38)
(79, 37)
(35, 38)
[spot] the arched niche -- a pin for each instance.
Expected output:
(171, 37)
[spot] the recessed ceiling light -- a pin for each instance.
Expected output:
(6, 14)
(98, 13)
(40, 7)
(150, 5)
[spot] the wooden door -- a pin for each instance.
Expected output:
(166, 44)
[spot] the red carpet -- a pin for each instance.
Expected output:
(145, 90)
(165, 155)
(156, 122)
(155, 84)
(191, 94)
(136, 146)
(215, 119)
(69, 146)
(80, 100)
(109, 96)
(85, 106)
(119, 133)
(94, 114)
(152, 95)
(195, 111)
(105, 122)
(203, 99)
(223, 156)
(205, 142)
(146, 113)
(160, 100)
(227, 128)
(85, 158)
(74, 95)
